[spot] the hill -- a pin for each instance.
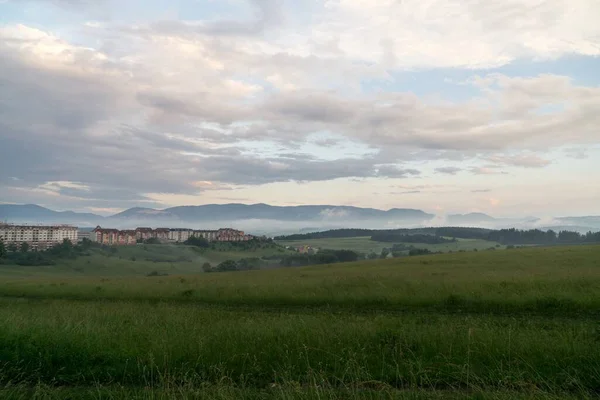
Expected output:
(31, 213)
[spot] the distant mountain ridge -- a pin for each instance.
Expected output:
(32, 213)
(236, 211)
(460, 219)
(213, 212)
(267, 218)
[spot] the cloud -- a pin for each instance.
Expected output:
(470, 34)
(520, 160)
(448, 170)
(126, 110)
(407, 192)
(577, 153)
(488, 170)
(481, 191)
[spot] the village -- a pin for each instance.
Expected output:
(116, 237)
(42, 237)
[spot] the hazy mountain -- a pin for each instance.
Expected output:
(487, 221)
(263, 218)
(234, 212)
(255, 217)
(34, 214)
(588, 221)
(144, 213)
(471, 218)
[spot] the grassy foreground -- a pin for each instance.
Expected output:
(500, 325)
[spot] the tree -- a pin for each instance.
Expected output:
(12, 248)
(228, 265)
(24, 247)
(197, 241)
(2, 249)
(418, 252)
(384, 253)
(206, 267)
(86, 243)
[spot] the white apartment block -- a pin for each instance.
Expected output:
(38, 237)
(180, 235)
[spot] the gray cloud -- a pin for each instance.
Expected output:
(448, 170)
(171, 104)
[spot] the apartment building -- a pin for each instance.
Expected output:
(39, 237)
(130, 237)
(180, 235)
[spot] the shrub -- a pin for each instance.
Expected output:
(156, 273)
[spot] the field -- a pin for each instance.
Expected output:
(139, 260)
(366, 245)
(514, 324)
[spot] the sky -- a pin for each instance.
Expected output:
(449, 106)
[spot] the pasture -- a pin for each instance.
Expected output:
(366, 245)
(139, 260)
(492, 324)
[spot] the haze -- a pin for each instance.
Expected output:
(444, 106)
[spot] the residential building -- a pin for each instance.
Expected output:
(211, 236)
(38, 237)
(130, 237)
(85, 234)
(180, 235)
(144, 233)
(161, 234)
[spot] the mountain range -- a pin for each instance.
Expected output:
(267, 218)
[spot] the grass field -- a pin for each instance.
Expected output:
(366, 245)
(138, 260)
(514, 324)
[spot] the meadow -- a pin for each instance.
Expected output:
(520, 323)
(366, 245)
(140, 260)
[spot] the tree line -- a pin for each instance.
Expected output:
(21, 254)
(414, 238)
(441, 235)
(536, 236)
(287, 260)
(348, 233)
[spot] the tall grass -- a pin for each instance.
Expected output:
(511, 324)
(562, 281)
(71, 343)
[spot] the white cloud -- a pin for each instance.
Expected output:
(460, 33)
(520, 160)
(240, 106)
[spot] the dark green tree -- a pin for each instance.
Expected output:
(197, 241)
(228, 265)
(24, 248)
(2, 249)
(206, 267)
(86, 243)
(12, 248)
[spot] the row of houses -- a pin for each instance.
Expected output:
(165, 235)
(39, 237)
